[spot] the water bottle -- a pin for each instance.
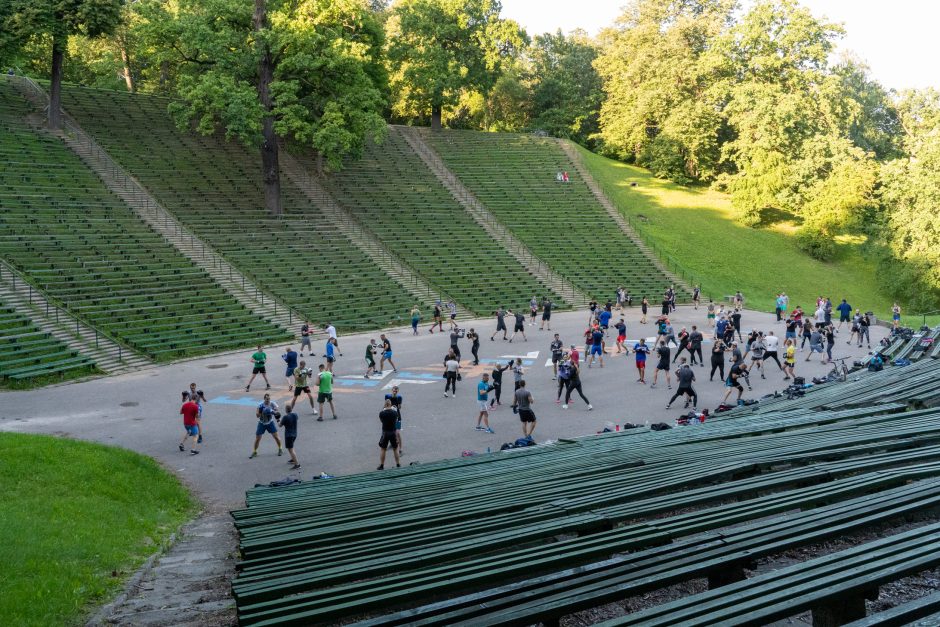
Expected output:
(487, 449)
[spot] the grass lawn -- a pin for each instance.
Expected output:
(77, 519)
(693, 228)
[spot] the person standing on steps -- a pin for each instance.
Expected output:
(394, 397)
(386, 355)
(574, 383)
(695, 346)
(258, 360)
(190, 413)
(302, 385)
(436, 318)
(500, 323)
(305, 331)
(519, 326)
(452, 311)
(547, 306)
(451, 370)
(523, 404)
(684, 377)
(484, 387)
(290, 358)
(388, 417)
(415, 319)
(474, 337)
(663, 352)
(325, 391)
(498, 383)
(268, 416)
(289, 422)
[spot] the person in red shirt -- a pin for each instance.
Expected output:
(190, 412)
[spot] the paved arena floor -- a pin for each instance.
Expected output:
(140, 410)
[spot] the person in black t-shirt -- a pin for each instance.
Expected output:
(454, 338)
(289, 422)
(558, 348)
(519, 327)
(436, 318)
(695, 345)
(738, 371)
(474, 338)
(305, 338)
(546, 314)
(497, 375)
(663, 351)
(388, 417)
(500, 324)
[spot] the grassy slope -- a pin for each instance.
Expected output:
(77, 519)
(694, 226)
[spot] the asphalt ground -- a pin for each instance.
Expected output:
(140, 410)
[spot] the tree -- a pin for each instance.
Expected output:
(566, 89)
(659, 75)
(307, 71)
(58, 19)
(910, 193)
(438, 49)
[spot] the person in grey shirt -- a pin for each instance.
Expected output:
(523, 405)
(757, 354)
(685, 376)
(816, 343)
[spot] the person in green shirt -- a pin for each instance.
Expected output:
(371, 347)
(258, 359)
(325, 391)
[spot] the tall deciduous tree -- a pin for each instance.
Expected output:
(58, 19)
(439, 48)
(304, 70)
(659, 74)
(910, 191)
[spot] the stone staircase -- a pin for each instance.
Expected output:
(616, 216)
(29, 301)
(362, 237)
(482, 216)
(128, 189)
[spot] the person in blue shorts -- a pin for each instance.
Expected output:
(290, 358)
(604, 319)
(386, 355)
(330, 354)
(268, 419)
(597, 345)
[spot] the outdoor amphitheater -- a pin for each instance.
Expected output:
(138, 257)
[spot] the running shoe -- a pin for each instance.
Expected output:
(182, 448)
(280, 452)
(253, 455)
(564, 406)
(489, 430)
(194, 452)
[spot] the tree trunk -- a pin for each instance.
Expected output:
(126, 60)
(54, 118)
(269, 157)
(436, 117)
(164, 74)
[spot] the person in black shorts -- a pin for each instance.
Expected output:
(258, 359)
(289, 422)
(388, 417)
(684, 377)
(546, 314)
(558, 348)
(454, 339)
(523, 405)
(738, 371)
(305, 338)
(497, 375)
(302, 384)
(500, 324)
(519, 326)
(474, 337)
(663, 366)
(396, 400)
(436, 318)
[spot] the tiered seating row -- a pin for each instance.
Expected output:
(404, 204)
(86, 249)
(562, 223)
(27, 352)
(648, 509)
(214, 188)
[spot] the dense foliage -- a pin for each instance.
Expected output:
(751, 102)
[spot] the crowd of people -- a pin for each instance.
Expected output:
(734, 356)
